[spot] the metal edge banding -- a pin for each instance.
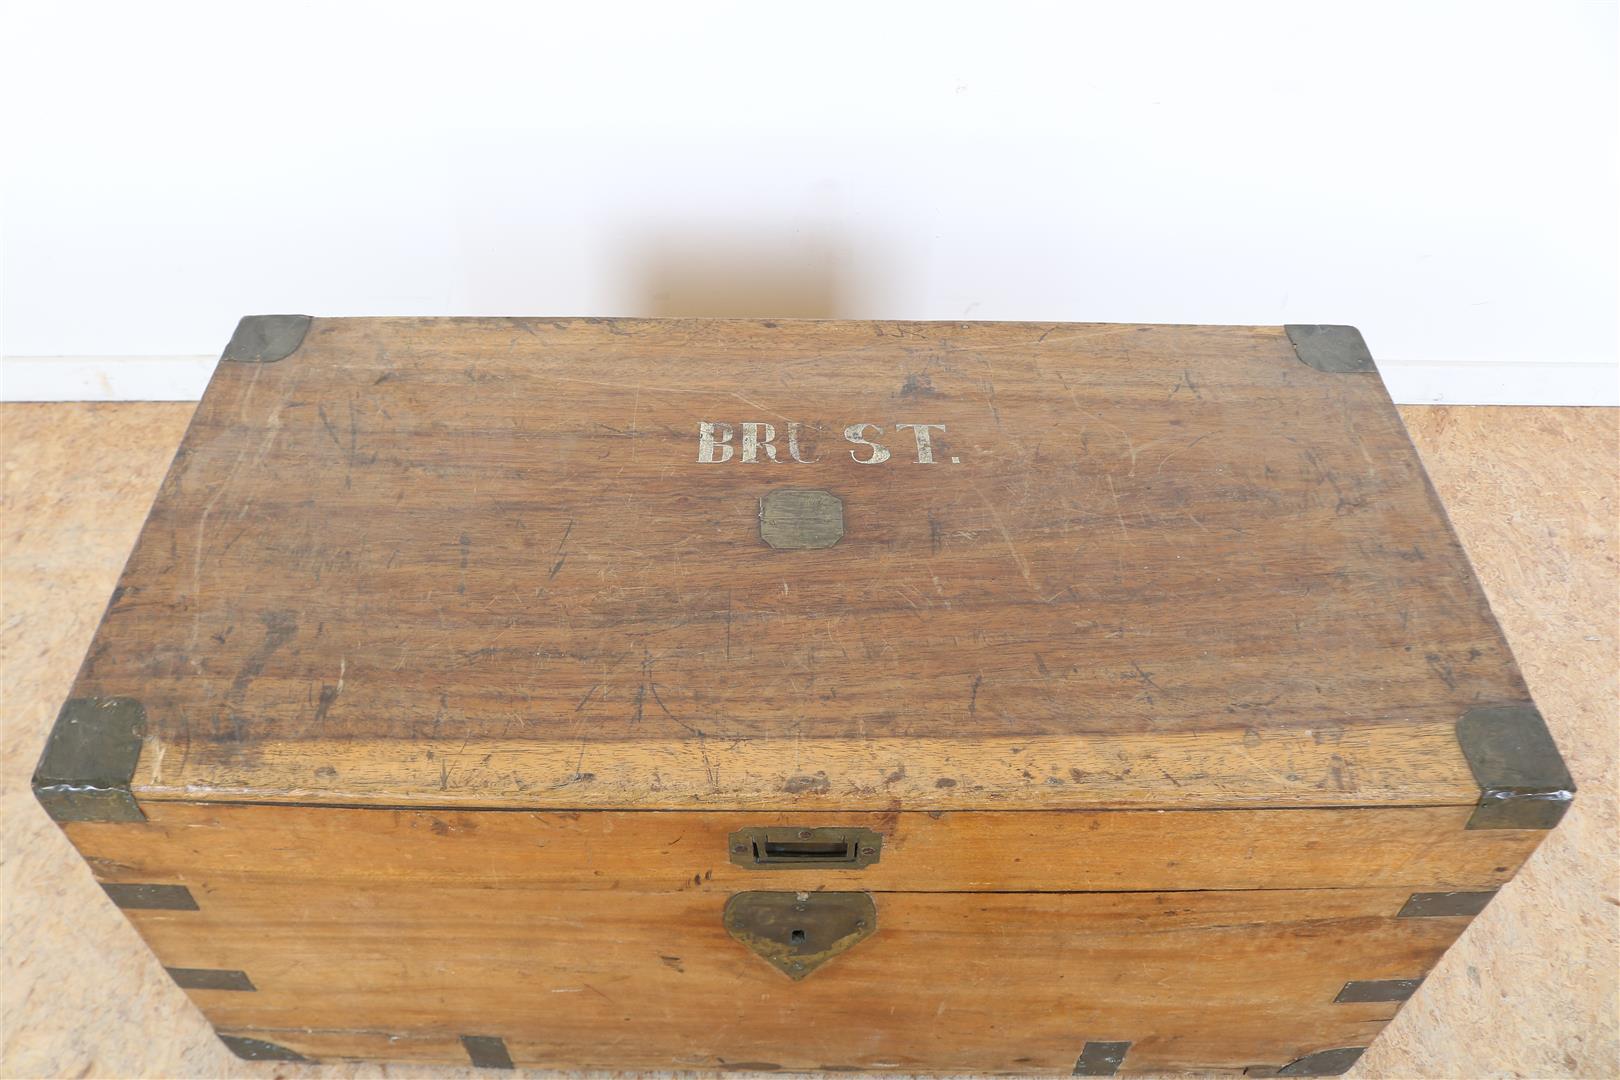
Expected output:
(211, 979)
(1362, 991)
(1434, 905)
(150, 897)
(1324, 1062)
(1338, 350)
(487, 1051)
(1523, 781)
(85, 770)
(264, 339)
(257, 1049)
(1101, 1058)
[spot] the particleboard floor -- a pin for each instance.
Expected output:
(1531, 989)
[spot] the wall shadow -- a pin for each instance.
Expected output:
(732, 271)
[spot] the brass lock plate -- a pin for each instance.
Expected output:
(798, 932)
(796, 848)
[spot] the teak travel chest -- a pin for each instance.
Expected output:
(760, 695)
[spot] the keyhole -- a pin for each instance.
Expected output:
(796, 936)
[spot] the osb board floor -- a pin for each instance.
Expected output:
(1531, 989)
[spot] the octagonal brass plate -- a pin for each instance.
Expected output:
(792, 520)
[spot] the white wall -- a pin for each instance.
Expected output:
(1442, 175)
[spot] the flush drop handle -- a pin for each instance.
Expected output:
(798, 848)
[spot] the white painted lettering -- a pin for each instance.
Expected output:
(707, 442)
(925, 445)
(793, 443)
(756, 441)
(880, 454)
(752, 444)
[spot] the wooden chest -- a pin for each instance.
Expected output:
(800, 695)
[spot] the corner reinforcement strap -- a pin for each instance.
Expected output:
(1361, 991)
(1333, 1062)
(1335, 349)
(1523, 781)
(1436, 905)
(487, 1051)
(211, 979)
(258, 1049)
(89, 760)
(142, 897)
(1101, 1058)
(264, 339)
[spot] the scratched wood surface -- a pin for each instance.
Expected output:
(639, 972)
(1215, 939)
(1421, 849)
(633, 980)
(1530, 989)
(480, 563)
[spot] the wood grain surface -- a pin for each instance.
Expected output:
(1213, 939)
(1529, 990)
(948, 982)
(480, 563)
(201, 845)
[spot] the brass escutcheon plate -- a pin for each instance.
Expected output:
(797, 932)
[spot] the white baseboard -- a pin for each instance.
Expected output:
(104, 378)
(182, 378)
(1548, 383)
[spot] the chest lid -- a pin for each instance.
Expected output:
(795, 565)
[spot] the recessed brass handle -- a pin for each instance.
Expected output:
(792, 848)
